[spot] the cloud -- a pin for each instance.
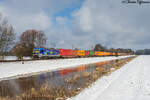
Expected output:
(32, 6)
(108, 22)
(40, 15)
(24, 14)
(113, 24)
(26, 20)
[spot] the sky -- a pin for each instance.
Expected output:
(82, 23)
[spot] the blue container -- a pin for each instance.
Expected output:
(52, 52)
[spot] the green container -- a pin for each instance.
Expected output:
(92, 53)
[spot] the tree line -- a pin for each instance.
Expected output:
(143, 52)
(99, 47)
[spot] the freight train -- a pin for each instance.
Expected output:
(69, 53)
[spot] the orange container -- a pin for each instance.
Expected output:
(99, 53)
(81, 53)
(114, 54)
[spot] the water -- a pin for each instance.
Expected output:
(70, 79)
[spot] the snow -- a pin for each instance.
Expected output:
(10, 58)
(14, 58)
(13, 69)
(131, 82)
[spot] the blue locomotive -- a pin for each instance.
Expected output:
(42, 52)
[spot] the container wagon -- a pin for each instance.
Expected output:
(81, 53)
(68, 53)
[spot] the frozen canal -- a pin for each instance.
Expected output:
(31, 67)
(131, 82)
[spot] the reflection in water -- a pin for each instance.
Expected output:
(65, 81)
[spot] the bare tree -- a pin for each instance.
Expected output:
(30, 39)
(7, 36)
(99, 47)
(18, 50)
(40, 39)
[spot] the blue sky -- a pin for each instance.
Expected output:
(67, 13)
(82, 23)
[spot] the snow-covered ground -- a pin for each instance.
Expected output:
(131, 82)
(13, 58)
(17, 68)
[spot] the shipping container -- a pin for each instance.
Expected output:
(74, 53)
(104, 53)
(99, 53)
(68, 53)
(122, 54)
(114, 53)
(81, 53)
(64, 52)
(96, 53)
(52, 52)
(87, 53)
(119, 54)
(107, 53)
(91, 53)
(111, 53)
